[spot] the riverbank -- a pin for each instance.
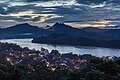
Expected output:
(80, 50)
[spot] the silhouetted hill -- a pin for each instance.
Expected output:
(106, 33)
(61, 28)
(21, 28)
(112, 27)
(22, 31)
(60, 33)
(95, 29)
(112, 33)
(28, 31)
(67, 35)
(63, 39)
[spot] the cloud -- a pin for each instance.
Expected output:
(36, 19)
(86, 10)
(36, 0)
(92, 1)
(26, 16)
(2, 10)
(79, 1)
(12, 18)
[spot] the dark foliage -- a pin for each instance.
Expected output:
(96, 69)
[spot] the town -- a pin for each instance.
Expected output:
(15, 55)
(17, 63)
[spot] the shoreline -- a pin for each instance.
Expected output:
(96, 51)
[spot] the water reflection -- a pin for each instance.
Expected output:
(97, 51)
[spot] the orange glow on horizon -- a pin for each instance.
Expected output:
(102, 23)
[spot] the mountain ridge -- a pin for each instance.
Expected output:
(59, 28)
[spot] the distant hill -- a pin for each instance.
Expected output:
(110, 32)
(21, 31)
(94, 29)
(63, 39)
(65, 29)
(61, 28)
(112, 27)
(21, 28)
(61, 33)
(67, 35)
(28, 31)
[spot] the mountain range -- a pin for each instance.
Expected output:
(21, 31)
(60, 33)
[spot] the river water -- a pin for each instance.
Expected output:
(96, 51)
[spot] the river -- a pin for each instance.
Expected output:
(96, 51)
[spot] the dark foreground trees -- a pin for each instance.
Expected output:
(96, 69)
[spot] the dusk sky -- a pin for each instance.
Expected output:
(78, 13)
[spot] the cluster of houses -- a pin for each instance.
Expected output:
(52, 59)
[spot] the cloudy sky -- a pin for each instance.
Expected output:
(78, 13)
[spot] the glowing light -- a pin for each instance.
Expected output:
(102, 23)
(10, 54)
(22, 13)
(48, 64)
(23, 55)
(8, 59)
(53, 69)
